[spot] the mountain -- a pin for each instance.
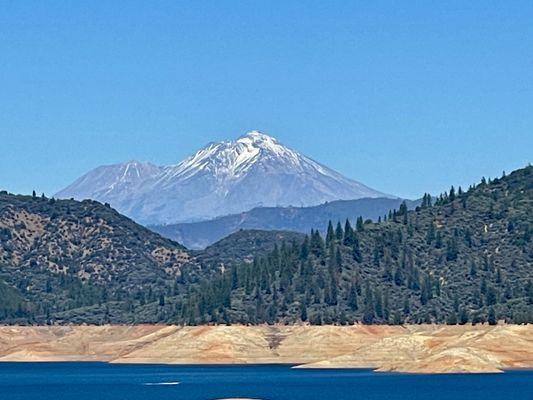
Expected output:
(198, 235)
(111, 183)
(71, 261)
(244, 246)
(220, 179)
(466, 258)
(60, 255)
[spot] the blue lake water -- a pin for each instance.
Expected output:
(101, 381)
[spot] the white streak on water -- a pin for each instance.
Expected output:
(160, 383)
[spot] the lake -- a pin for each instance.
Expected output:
(101, 381)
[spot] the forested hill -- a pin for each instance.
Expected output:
(244, 246)
(466, 258)
(58, 255)
(65, 261)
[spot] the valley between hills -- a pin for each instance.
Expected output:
(410, 348)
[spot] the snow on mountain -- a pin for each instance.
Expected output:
(110, 183)
(221, 178)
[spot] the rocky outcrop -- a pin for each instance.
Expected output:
(420, 348)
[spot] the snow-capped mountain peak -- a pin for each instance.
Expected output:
(230, 159)
(268, 146)
(221, 178)
(259, 138)
(257, 135)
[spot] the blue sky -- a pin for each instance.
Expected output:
(406, 97)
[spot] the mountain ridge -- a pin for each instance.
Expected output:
(465, 258)
(198, 235)
(57, 255)
(221, 178)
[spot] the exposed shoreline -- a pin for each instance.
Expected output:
(411, 348)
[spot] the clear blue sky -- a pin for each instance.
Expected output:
(406, 97)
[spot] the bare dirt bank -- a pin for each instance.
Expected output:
(417, 348)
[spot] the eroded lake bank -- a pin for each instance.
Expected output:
(413, 348)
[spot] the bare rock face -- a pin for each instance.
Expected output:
(420, 348)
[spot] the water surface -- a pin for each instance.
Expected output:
(101, 381)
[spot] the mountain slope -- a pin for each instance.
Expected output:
(244, 246)
(111, 182)
(197, 235)
(468, 258)
(60, 255)
(83, 262)
(221, 178)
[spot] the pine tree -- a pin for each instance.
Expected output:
(316, 244)
(386, 306)
(456, 303)
(376, 256)
(463, 316)
(425, 290)
(398, 276)
(426, 201)
(430, 236)
(348, 234)
(491, 296)
(451, 249)
(438, 240)
(378, 304)
(330, 235)
(529, 291)
(333, 292)
(397, 318)
(356, 250)
(332, 260)
(451, 196)
(359, 225)
(303, 312)
(352, 298)
(406, 306)
(387, 269)
(338, 260)
(369, 309)
(498, 275)
(403, 208)
(468, 237)
(304, 249)
(491, 318)
(452, 318)
(339, 233)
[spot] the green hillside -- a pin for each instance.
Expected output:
(467, 258)
(61, 255)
